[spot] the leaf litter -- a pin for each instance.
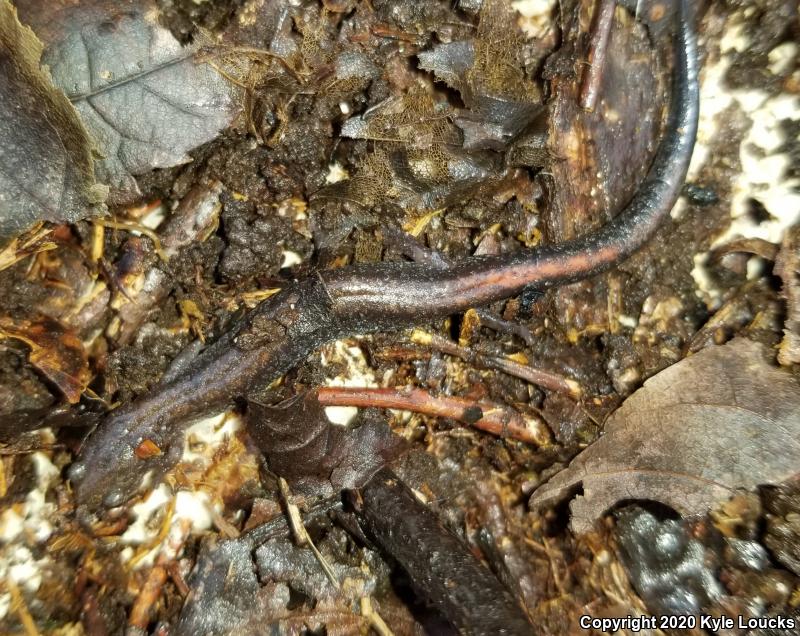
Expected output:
(145, 99)
(459, 154)
(720, 420)
(55, 350)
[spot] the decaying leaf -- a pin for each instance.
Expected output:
(302, 445)
(46, 168)
(488, 73)
(55, 351)
(721, 420)
(146, 100)
(418, 165)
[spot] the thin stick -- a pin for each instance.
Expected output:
(301, 534)
(132, 226)
(546, 379)
(375, 620)
(483, 415)
(602, 20)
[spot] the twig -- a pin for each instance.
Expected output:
(787, 267)
(546, 379)
(602, 20)
(196, 216)
(756, 246)
(375, 620)
(486, 416)
(301, 534)
(132, 226)
(487, 319)
(173, 569)
(279, 527)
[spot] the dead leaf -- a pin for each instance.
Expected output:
(721, 420)
(55, 351)
(302, 445)
(488, 72)
(146, 100)
(418, 165)
(46, 167)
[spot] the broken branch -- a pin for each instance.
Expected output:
(485, 416)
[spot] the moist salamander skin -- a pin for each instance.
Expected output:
(284, 329)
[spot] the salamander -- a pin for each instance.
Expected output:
(282, 331)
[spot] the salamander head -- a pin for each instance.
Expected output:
(108, 471)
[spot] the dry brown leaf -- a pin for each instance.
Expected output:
(721, 420)
(55, 351)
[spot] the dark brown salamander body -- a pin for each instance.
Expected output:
(283, 330)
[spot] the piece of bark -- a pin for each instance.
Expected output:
(440, 566)
(224, 590)
(144, 289)
(600, 156)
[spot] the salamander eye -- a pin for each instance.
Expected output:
(113, 498)
(76, 472)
